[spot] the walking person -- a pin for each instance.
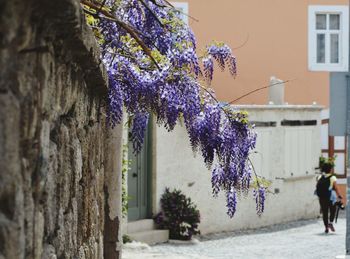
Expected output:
(327, 192)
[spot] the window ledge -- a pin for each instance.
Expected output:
(329, 68)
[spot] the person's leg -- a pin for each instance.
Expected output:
(332, 209)
(324, 207)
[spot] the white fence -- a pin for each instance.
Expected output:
(289, 145)
(287, 152)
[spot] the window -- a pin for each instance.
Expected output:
(183, 10)
(328, 38)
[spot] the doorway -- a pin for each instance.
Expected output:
(139, 179)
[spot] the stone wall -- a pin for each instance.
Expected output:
(53, 136)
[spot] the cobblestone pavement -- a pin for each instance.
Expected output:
(301, 239)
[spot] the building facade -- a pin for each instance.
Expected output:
(299, 42)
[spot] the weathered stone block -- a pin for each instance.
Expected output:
(52, 133)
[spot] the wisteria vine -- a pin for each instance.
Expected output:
(153, 68)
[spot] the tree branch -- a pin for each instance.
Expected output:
(173, 7)
(153, 14)
(211, 95)
(242, 45)
(258, 89)
(102, 5)
(123, 25)
(256, 175)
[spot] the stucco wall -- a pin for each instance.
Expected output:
(56, 151)
(176, 167)
(269, 38)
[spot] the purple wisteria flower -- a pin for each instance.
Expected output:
(158, 72)
(259, 195)
(223, 56)
(140, 122)
(231, 202)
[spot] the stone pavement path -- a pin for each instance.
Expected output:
(301, 239)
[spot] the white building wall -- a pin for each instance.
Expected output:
(286, 155)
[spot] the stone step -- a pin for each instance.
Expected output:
(151, 237)
(140, 226)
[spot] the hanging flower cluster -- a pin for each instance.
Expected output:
(152, 64)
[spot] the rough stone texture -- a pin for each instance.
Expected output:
(52, 132)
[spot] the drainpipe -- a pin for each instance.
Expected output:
(348, 169)
(347, 239)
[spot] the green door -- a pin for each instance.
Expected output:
(139, 182)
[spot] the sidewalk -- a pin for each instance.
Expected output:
(301, 239)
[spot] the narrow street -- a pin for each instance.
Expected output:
(301, 239)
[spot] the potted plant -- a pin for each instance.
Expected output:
(178, 214)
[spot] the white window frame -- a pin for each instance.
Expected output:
(343, 65)
(184, 7)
